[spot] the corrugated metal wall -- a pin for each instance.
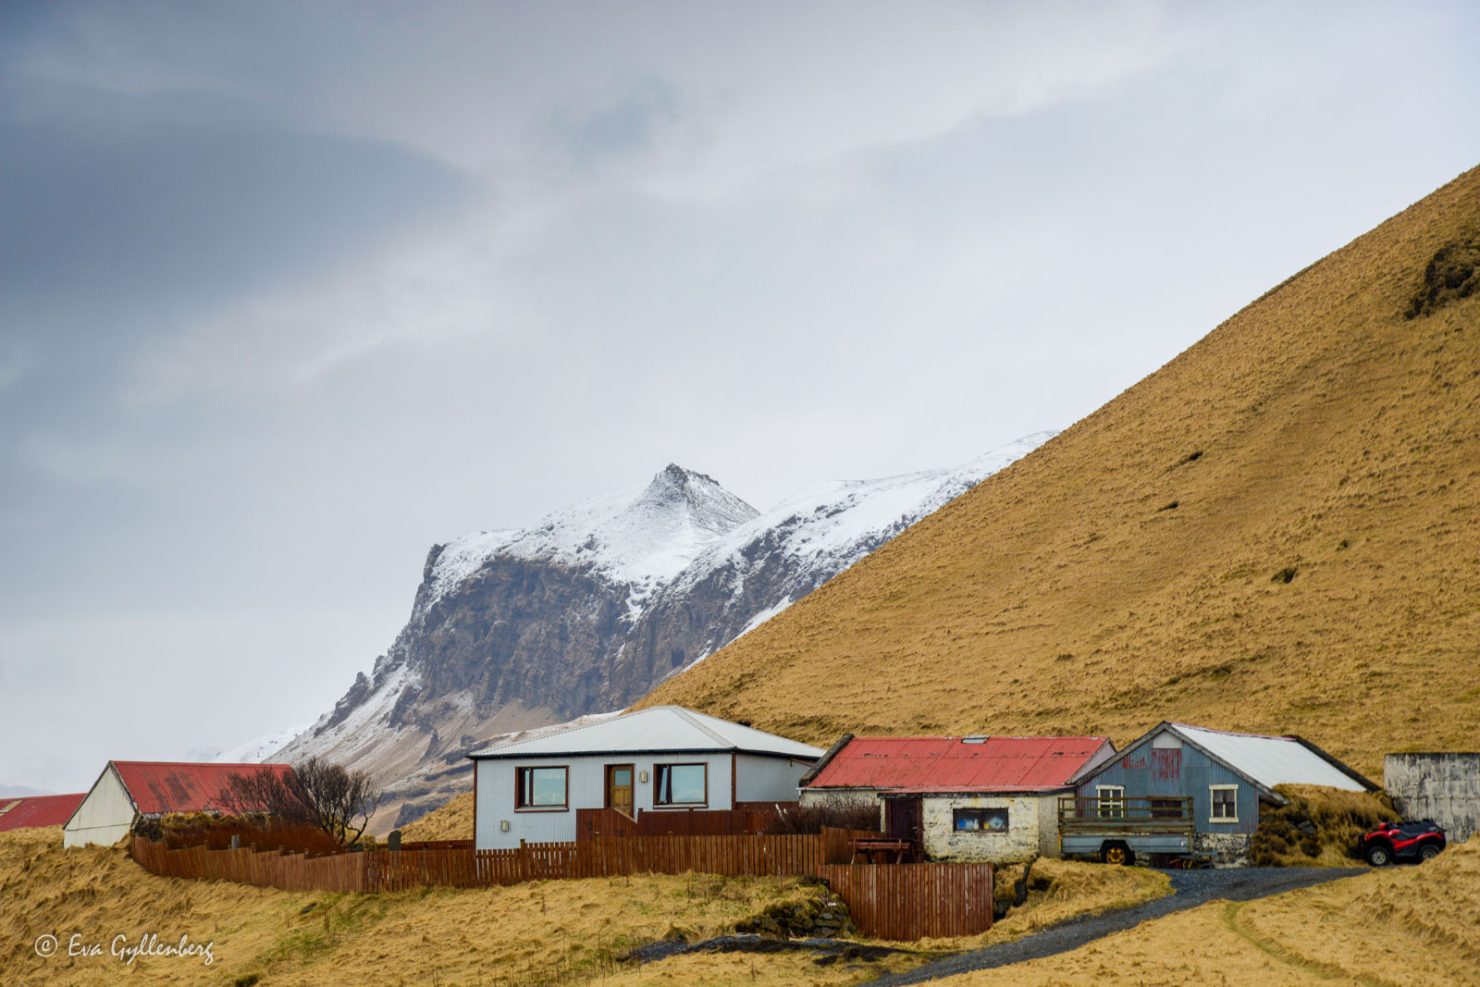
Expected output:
(765, 779)
(1155, 767)
(104, 817)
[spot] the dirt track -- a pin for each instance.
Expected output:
(1189, 889)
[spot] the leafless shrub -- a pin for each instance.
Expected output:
(319, 793)
(811, 818)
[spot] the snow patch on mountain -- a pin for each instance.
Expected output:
(258, 750)
(640, 537)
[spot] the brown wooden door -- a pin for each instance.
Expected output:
(904, 819)
(619, 789)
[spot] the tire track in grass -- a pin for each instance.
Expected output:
(1283, 954)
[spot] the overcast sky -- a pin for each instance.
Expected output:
(290, 292)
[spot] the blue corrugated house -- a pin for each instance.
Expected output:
(1183, 789)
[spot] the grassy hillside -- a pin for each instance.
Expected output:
(1277, 531)
(452, 821)
(535, 933)
(1405, 926)
(542, 932)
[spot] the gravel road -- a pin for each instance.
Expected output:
(1189, 888)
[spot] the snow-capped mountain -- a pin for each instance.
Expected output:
(513, 630)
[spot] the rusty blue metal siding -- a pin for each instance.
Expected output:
(1147, 772)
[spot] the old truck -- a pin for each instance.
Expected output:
(1118, 829)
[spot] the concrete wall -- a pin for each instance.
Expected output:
(1444, 787)
(1032, 828)
(104, 817)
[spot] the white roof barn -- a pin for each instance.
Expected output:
(663, 759)
(1272, 761)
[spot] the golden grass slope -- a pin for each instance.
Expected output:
(1277, 531)
(1398, 927)
(540, 932)
(451, 821)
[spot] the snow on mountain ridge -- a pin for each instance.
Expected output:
(640, 536)
(837, 522)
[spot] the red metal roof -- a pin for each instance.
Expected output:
(162, 786)
(957, 764)
(37, 810)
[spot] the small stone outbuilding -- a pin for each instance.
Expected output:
(979, 798)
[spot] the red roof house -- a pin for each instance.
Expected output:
(35, 811)
(127, 790)
(957, 764)
(968, 798)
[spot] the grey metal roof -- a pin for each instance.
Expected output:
(660, 728)
(1270, 761)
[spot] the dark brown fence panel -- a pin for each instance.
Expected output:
(912, 901)
(890, 901)
(751, 818)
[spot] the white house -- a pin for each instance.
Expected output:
(663, 759)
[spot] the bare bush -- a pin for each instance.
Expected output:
(811, 818)
(316, 792)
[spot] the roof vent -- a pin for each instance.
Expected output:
(976, 738)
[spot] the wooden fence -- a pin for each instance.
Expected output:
(593, 823)
(912, 901)
(379, 869)
(887, 901)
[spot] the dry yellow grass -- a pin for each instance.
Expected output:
(452, 821)
(542, 932)
(1317, 433)
(1407, 926)
(1338, 818)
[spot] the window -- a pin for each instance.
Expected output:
(681, 784)
(1166, 808)
(979, 820)
(1224, 803)
(540, 788)
(1110, 801)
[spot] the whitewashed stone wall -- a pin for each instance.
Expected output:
(1032, 828)
(1228, 849)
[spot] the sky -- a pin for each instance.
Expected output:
(290, 292)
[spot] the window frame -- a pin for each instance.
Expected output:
(658, 769)
(519, 772)
(1213, 791)
(1103, 804)
(984, 810)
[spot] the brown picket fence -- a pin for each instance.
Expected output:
(886, 901)
(912, 901)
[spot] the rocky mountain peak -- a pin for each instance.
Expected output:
(694, 497)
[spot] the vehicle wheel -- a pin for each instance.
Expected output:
(1117, 853)
(1428, 853)
(1379, 856)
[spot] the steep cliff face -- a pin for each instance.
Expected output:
(588, 610)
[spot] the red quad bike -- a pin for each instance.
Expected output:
(1416, 841)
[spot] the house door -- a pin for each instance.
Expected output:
(619, 789)
(904, 819)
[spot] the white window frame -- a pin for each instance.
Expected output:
(1103, 803)
(1212, 803)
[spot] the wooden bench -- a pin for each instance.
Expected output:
(869, 848)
